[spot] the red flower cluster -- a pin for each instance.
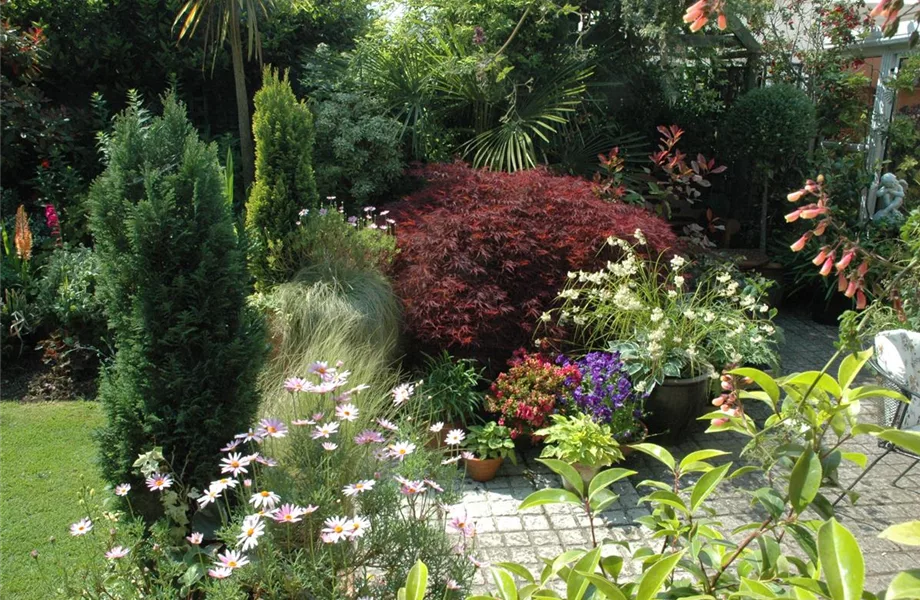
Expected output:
(526, 394)
(483, 254)
(850, 278)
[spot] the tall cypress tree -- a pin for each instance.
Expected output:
(284, 184)
(174, 282)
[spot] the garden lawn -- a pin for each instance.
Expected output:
(46, 454)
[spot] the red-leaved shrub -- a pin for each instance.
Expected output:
(483, 254)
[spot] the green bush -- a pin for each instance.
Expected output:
(771, 127)
(66, 293)
(284, 184)
(173, 282)
(327, 244)
(357, 148)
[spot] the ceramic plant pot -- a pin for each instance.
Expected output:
(483, 469)
(674, 405)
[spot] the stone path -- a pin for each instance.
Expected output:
(506, 534)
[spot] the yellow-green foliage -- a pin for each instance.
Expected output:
(284, 183)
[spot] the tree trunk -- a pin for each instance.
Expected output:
(242, 98)
(764, 205)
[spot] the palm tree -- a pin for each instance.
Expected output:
(222, 20)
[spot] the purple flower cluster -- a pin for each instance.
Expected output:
(603, 390)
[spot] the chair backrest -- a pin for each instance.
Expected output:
(897, 353)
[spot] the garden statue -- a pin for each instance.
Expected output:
(889, 198)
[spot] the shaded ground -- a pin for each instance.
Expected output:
(544, 532)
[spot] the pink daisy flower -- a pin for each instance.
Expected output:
(387, 425)
(295, 384)
(231, 445)
(274, 428)
(401, 450)
(346, 412)
(336, 528)
(220, 572)
(289, 513)
(358, 526)
(368, 436)
(232, 559)
(354, 489)
(265, 498)
(122, 489)
(117, 552)
(329, 446)
(195, 539)
(402, 392)
(249, 436)
(81, 527)
(158, 482)
(325, 430)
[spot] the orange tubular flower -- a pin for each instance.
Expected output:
(800, 243)
(794, 215)
(851, 289)
(828, 266)
(821, 256)
(841, 282)
(796, 196)
(860, 300)
(845, 260)
(821, 227)
(863, 268)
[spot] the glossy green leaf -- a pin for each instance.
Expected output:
(874, 391)
(549, 496)
(706, 485)
(566, 471)
(417, 582)
(656, 451)
(770, 499)
(855, 457)
(904, 586)
(763, 380)
(909, 440)
(606, 478)
(863, 428)
(815, 380)
(667, 497)
(604, 587)
(851, 366)
(519, 570)
(699, 455)
(507, 589)
(805, 480)
(653, 578)
(907, 533)
(576, 583)
(842, 561)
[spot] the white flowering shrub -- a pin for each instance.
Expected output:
(663, 319)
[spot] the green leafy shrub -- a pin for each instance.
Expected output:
(491, 441)
(578, 438)
(770, 129)
(327, 243)
(173, 282)
(357, 148)
(772, 126)
(66, 293)
(284, 183)
(450, 388)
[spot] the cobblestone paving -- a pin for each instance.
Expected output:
(506, 534)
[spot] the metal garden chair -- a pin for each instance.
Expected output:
(897, 363)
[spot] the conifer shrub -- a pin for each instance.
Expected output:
(483, 254)
(284, 184)
(172, 278)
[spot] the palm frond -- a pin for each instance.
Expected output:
(535, 112)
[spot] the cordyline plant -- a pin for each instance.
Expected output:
(812, 415)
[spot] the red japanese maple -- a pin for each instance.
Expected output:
(483, 254)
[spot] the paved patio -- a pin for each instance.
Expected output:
(506, 534)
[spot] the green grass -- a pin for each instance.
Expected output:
(46, 454)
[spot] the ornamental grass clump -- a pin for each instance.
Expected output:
(660, 321)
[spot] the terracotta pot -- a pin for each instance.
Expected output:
(674, 405)
(483, 469)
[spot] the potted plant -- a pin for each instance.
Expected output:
(603, 390)
(673, 331)
(581, 441)
(526, 394)
(449, 393)
(490, 445)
